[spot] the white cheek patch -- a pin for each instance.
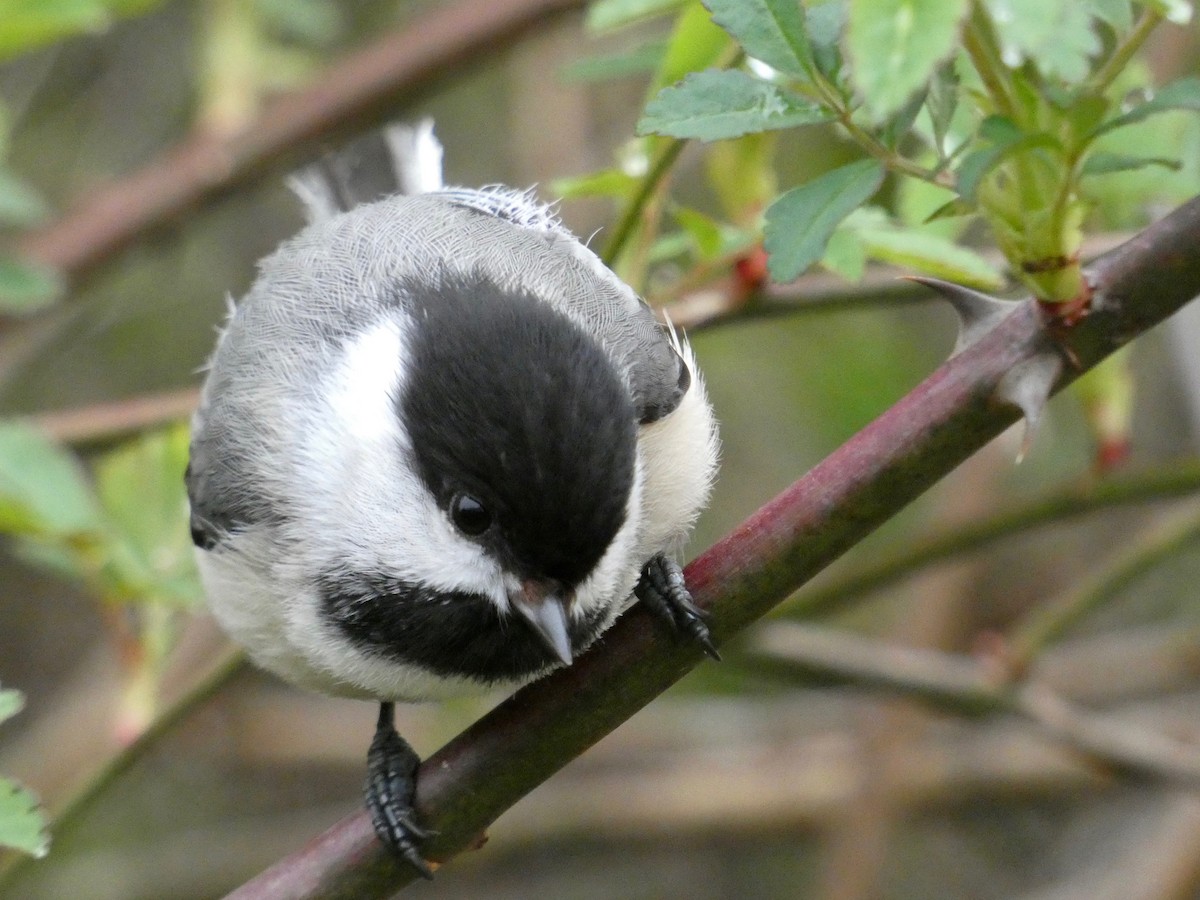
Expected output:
(363, 485)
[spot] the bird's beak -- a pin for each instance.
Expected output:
(541, 605)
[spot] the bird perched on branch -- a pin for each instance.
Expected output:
(440, 448)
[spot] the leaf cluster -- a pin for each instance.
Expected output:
(994, 110)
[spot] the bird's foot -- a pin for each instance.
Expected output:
(391, 785)
(663, 590)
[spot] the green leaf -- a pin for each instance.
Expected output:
(703, 230)
(316, 23)
(1005, 139)
(845, 254)
(941, 101)
(1103, 163)
(606, 67)
(11, 703)
(932, 255)
(695, 44)
(1117, 13)
(605, 183)
(742, 175)
(22, 824)
(27, 24)
(43, 490)
(712, 105)
(1181, 94)
(141, 489)
(1057, 36)
(895, 46)
(26, 288)
(609, 15)
(826, 24)
(772, 31)
(800, 223)
(20, 204)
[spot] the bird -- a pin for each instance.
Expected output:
(440, 447)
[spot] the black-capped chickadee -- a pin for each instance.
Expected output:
(439, 449)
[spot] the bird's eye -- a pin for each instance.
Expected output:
(469, 515)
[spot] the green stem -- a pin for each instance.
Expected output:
(1124, 51)
(1067, 503)
(97, 785)
(979, 40)
(627, 224)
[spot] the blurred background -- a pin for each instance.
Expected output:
(757, 778)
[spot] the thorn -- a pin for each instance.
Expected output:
(1027, 386)
(977, 312)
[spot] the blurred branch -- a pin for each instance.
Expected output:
(469, 782)
(108, 421)
(974, 687)
(1079, 499)
(366, 87)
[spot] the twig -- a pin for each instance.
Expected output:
(966, 685)
(466, 785)
(107, 421)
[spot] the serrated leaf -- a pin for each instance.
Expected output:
(609, 15)
(769, 30)
(895, 46)
(26, 288)
(800, 223)
(42, 488)
(140, 485)
(1103, 163)
(20, 204)
(1181, 94)
(931, 255)
(712, 105)
(1057, 36)
(22, 824)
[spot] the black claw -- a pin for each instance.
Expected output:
(664, 592)
(391, 784)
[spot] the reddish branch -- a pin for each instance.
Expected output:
(470, 781)
(366, 87)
